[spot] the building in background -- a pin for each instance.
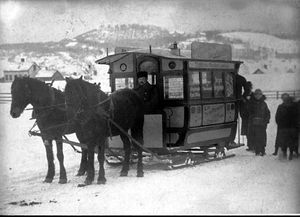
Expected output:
(258, 72)
(23, 68)
(47, 75)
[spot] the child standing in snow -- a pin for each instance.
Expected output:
(259, 117)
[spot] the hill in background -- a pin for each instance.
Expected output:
(268, 53)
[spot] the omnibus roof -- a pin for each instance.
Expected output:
(154, 52)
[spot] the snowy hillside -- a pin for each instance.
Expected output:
(261, 40)
(270, 54)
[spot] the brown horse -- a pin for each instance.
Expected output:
(90, 108)
(49, 108)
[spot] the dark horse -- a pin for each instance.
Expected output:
(90, 109)
(49, 108)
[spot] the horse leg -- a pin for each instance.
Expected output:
(127, 150)
(291, 149)
(83, 163)
(101, 158)
(60, 157)
(50, 158)
(90, 165)
(137, 133)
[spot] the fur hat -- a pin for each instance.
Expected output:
(142, 74)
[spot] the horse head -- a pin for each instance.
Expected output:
(21, 96)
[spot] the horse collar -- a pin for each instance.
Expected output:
(52, 96)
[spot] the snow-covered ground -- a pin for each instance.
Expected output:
(244, 184)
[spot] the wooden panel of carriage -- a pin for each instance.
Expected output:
(198, 98)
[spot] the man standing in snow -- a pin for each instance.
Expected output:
(286, 126)
(298, 123)
(259, 117)
(245, 114)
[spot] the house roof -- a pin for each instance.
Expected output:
(48, 75)
(12, 66)
(45, 73)
(258, 71)
(155, 52)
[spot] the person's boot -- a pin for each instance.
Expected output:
(291, 155)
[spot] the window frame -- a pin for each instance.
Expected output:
(212, 73)
(173, 74)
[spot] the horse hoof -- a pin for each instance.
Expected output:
(48, 180)
(80, 173)
(141, 174)
(88, 182)
(62, 181)
(124, 173)
(101, 181)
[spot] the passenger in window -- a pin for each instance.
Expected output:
(148, 92)
(259, 117)
(286, 120)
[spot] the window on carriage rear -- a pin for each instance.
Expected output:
(206, 81)
(10, 77)
(173, 87)
(194, 85)
(124, 83)
(229, 84)
(218, 84)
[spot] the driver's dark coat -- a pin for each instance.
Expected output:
(149, 94)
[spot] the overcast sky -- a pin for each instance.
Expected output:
(40, 21)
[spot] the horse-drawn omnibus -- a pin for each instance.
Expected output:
(197, 97)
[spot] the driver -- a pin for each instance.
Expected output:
(148, 92)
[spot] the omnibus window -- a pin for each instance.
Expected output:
(228, 84)
(218, 84)
(194, 83)
(124, 83)
(152, 79)
(173, 87)
(206, 84)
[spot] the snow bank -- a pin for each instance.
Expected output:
(244, 184)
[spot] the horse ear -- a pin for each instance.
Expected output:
(67, 79)
(80, 77)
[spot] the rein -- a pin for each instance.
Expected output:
(46, 107)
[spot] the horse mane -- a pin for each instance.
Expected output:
(91, 91)
(37, 86)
